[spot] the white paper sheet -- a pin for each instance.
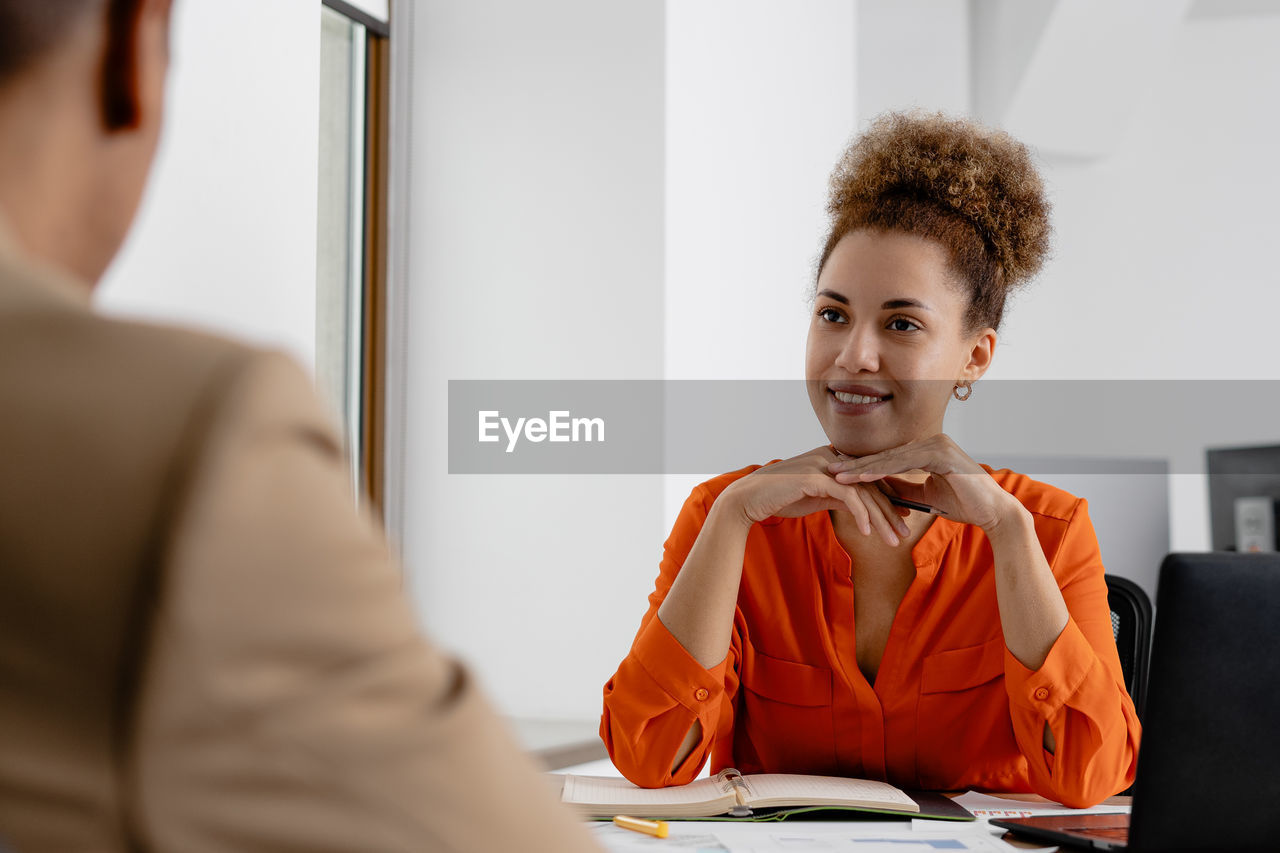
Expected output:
(823, 837)
(987, 806)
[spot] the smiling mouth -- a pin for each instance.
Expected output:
(859, 399)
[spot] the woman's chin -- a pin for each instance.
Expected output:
(859, 447)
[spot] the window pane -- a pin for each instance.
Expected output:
(340, 243)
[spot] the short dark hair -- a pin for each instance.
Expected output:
(29, 29)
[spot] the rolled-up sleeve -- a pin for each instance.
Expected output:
(659, 690)
(1079, 690)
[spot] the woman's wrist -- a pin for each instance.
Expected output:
(1011, 519)
(729, 511)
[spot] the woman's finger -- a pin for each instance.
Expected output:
(890, 458)
(938, 454)
(886, 487)
(854, 463)
(890, 513)
(879, 520)
(853, 502)
(901, 488)
(872, 468)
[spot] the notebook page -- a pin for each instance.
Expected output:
(589, 790)
(791, 786)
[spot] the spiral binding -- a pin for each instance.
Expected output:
(731, 781)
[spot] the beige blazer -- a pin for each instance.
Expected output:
(203, 647)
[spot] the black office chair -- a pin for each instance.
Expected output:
(1131, 626)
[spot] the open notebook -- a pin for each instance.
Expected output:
(762, 796)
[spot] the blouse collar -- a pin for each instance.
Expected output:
(926, 553)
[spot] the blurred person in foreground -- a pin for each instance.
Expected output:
(202, 645)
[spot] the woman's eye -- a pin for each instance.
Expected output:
(902, 324)
(831, 315)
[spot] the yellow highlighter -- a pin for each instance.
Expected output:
(656, 828)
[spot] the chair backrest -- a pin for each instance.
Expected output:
(1131, 626)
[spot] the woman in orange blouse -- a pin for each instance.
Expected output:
(803, 623)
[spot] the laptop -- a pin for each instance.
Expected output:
(1209, 762)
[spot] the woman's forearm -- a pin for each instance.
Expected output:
(699, 607)
(1032, 610)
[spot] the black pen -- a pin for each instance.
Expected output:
(916, 505)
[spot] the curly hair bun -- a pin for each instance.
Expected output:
(948, 179)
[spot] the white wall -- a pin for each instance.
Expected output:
(600, 191)
(226, 237)
(1164, 267)
(761, 101)
(536, 208)
(901, 47)
(760, 104)
(705, 138)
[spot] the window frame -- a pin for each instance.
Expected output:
(370, 454)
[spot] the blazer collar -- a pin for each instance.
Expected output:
(20, 269)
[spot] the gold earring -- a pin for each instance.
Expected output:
(968, 391)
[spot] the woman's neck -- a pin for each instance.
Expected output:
(872, 550)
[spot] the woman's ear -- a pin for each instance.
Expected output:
(980, 354)
(136, 55)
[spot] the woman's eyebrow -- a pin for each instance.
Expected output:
(831, 294)
(903, 303)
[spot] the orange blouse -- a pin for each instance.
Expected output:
(951, 707)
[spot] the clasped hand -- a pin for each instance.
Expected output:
(823, 479)
(803, 485)
(954, 483)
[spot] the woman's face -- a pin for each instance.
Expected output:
(888, 341)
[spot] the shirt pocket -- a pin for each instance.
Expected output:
(963, 722)
(787, 713)
(956, 670)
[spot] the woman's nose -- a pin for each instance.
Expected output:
(859, 352)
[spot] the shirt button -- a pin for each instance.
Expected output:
(701, 694)
(1042, 693)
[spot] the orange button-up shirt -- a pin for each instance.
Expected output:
(951, 707)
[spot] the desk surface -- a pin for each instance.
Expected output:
(868, 834)
(561, 744)
(556, 740)
(915, 836)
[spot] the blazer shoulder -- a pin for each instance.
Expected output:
(148, 394)
(217, 389)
